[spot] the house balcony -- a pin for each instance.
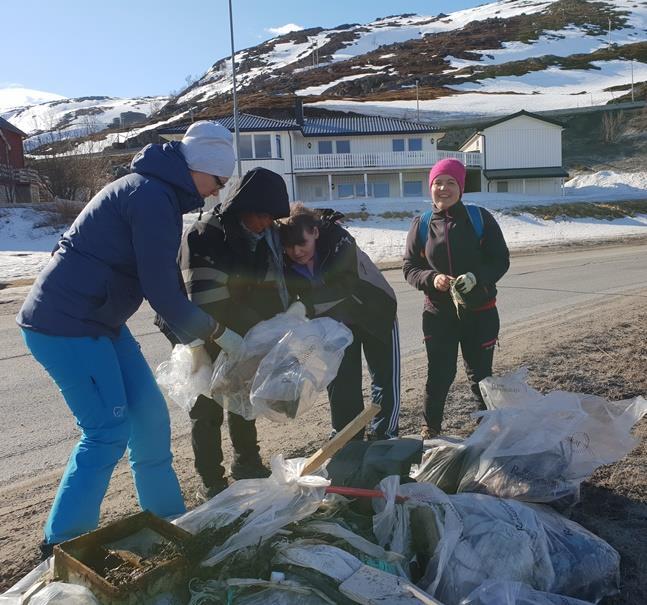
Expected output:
(392, 160)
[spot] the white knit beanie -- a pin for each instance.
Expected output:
(207, 147)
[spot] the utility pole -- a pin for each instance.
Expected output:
(632, 80)
(609, 32)
(233, 78)
(417, 103)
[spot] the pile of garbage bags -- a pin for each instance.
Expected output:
(533, 447)
(463, 540)
(439, 539)
(285, 363)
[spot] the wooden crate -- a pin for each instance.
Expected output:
(87, 560)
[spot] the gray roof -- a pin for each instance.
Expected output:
(318, 127)
(9, 126)
(246, 123)
(523, 112)
(524, 173)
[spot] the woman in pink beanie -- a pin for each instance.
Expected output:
(455, 254)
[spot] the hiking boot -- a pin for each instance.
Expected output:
(46, 550)
(254, 469)
(205, 493)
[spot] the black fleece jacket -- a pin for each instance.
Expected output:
(453, 248)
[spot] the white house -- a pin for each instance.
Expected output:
(329, 158)
(522, 153)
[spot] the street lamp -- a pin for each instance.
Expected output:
(233, 77)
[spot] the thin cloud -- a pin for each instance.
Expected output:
(284, 29)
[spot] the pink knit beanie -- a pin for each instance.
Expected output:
(452, 167)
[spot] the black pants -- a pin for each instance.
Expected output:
(206, 422)
(345, 391)
(477, 333)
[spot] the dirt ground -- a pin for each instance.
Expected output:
(595, 348)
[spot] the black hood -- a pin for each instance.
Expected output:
(260, 190)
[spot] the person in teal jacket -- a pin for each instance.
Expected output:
(121, 249)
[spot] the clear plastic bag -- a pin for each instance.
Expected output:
(501, 592)
(284, 364)
(175, 377)
(232, 379)
(299, 368)
(472, 538)
(58, 593)
(270, 504)
(542, 452)
(509, 390)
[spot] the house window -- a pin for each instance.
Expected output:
(415, 144)
(342, 146)
(502, 186)
(318, 192)
(380, 190)
(398, 144)
(325, 147)
(412, 188)
(246, 150)
(360, 191)
(263, 146)
(345, 190)
(279, 154)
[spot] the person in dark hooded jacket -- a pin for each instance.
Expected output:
(121, 249)
(334, 278)
(457, 268)
(231, 262)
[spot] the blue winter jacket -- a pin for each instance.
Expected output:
(122, 248)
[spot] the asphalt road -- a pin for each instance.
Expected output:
(37, 431)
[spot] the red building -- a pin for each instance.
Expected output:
(18, 185)
(11, 152)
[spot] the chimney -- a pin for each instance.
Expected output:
(298, 110)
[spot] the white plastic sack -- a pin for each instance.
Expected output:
(281, 499)
(285, 362)
(175, 377)
(299, 368)
(476, 538)
(58, 593)
(27, 584)
(232, 379)
(323, 558)
(543, 451)
(498, 592)
(509, 390)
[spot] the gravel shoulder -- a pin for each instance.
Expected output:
(595, 348)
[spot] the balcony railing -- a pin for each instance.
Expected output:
(394, 159)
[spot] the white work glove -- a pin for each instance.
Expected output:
(298, 309)
(465, 283)
(199, 358)
(230, 342)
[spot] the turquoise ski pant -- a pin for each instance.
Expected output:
(112, 393)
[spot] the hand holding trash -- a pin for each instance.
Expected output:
(465, 283)
(230, 342)
(442, 282)
(200, 358)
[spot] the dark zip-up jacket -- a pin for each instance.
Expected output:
(221, 274)
(453, 248)
(350, 288)
(120, 249)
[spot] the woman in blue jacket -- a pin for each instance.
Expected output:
(121, 249)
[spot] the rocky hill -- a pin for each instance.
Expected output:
(496, 58)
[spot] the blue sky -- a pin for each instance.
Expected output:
(148, 47)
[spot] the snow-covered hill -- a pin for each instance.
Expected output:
(504, 56)
(16, 97)
(63, 118)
